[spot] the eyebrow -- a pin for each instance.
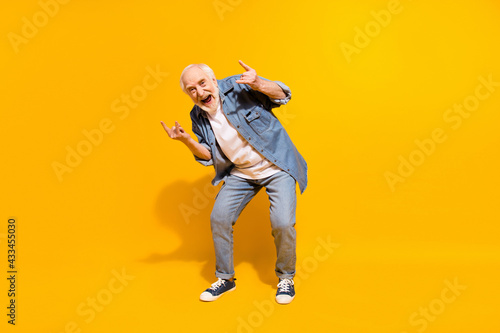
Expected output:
(190, 85)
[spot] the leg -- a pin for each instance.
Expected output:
(234, 195)
(281, 190)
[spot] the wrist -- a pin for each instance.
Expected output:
(186, 140)
(259, 84)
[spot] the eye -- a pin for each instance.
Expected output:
(202, 83)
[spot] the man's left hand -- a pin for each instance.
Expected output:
(249, 77)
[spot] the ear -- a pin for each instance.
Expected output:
(215, 82)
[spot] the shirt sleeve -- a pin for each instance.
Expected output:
(203, 142)
(287, 92)
(270, 103)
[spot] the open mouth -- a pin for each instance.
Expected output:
(207, 100)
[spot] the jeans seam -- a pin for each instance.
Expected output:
(233, 220)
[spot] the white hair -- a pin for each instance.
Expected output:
(203, 67)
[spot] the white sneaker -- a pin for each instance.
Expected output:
(217, 289)
(286, 291)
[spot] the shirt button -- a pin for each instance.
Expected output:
(237, 126)
(274, 161)
(288, 169)
(249, 138)
(261, 150)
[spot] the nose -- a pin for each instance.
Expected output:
(199, 91)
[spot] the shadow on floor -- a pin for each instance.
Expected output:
(184, 209)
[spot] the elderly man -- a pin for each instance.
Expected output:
(249, 148)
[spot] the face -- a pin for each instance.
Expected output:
(203, 91)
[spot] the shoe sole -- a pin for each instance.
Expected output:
(284, 302)
(214, 298)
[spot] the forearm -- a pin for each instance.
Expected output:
(271, 89)
(197, 149)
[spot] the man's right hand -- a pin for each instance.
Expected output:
(176, 132)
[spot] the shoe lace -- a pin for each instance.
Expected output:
(217, 284)
(284, 284)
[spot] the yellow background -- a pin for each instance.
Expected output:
(123, 208)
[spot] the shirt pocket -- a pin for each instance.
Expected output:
(259, 119)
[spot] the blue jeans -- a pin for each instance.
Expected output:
(232, 198)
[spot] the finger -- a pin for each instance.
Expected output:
(243, 79)
(165, 127)
(246, 67)
(177, 128)
(181, 130)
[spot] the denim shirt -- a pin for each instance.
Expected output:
(250, 112)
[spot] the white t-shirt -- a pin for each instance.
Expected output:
(248, 162)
